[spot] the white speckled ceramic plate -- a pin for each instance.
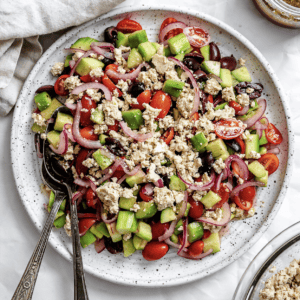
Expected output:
(171, 270)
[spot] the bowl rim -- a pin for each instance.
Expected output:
(187, 11)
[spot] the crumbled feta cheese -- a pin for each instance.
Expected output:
(118, 55)
(185, 101)
(38, 119)
(123, 85)
(197, 196)
(43, 136)
(98, 72)
(164, 197)
(127, 236)
(89, 163)
(243, 99)
(166, 122)
(100, 128)
(254, 155)
(94, 94)
(163, 64)
(69, 153)
(226, 113)
(57, 68)
(150, 79)
(135, 207)
(72, 82)
(216, 215)
(149, 116)
(111, 112)
(228, 94)
(212, 87)
(77, 55)
(219, 165)
(241, 62)
(249, 90)
(246, 135)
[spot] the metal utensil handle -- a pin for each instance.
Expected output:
(26, 285)
(80, 291)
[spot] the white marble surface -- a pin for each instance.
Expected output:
(18, 235)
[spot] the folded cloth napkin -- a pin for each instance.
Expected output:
(21, 22)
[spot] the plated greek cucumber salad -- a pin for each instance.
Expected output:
(167, 141)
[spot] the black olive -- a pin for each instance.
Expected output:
(191, 63)
(200, 75)
(110, 35)
(242, 87)
(207, 162)
(136, 89)
(107, 61)
(46, 88)
(233, 145)
(66, 71)
(228, 62)
(115, 147)
(214, 52)
(111, 247)
(166, 181)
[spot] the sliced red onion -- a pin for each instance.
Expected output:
(126, 170)
(203, 187)
(192, 41)
(68, 127)
(38, 146)
(159, 183)
(122, 178)
(183, 206)
(73, 50)
(200, 256)
(62, 145)
(193, 81)
(259, 132)
(259, 125)
(219, 180)
(133, 75)
(184, 236)
(76, 132)
(170, 243)
(224, 231)
(107, 154)
(101, 51)
(168, 28)
(104, 217)
(50, 121)
(93, 85)
(92, 184)
(99, 245)
(140, 137)
(168, 232)
(125, 55)
(148, 189)
(262, 105)
(103, 45)
(243, 167)
(229, 185)
(238, 188)
(82, 182)
(72, 63)
(243, 111)
(86, 54)
(275, 150)
(71, 106)
(76, 196)
(110, 171)
(223, 221)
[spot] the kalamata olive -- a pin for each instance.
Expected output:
(207, 162)
(254, 95)
(200, 75)
(218, 100)
(228, 62)
(136, 89)
(115, 147)
(233, 145)
(46, 88)
(214, 52)
(196, 55)
(191, 63)
(111, 247)
(256, 86)
(107, 61)
(255, 89)
(155, 250)
(166, 179)
(110, 35)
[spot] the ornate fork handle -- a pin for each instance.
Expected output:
(26, 285)
(80, 291)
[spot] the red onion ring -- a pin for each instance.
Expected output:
(219, 180)
(202, 255)
(72, 63)
(62, 145)
(69, 134)
(140, 137)
(224, 231)
(183, 206)
(192, 40)
(71, 106)
(125, 55)
(194, 83)
(203, 187)
(103, 45)
(170, 243)
(82, 182)
(168, 28)
(243, 111)
(168, 232)
(238, 188)
(240, 162)
(223, 221)
(126, 170)
(86, 54)
(133, 75)
(122, 178)
(159, 183)
(229, 185)
(148, 189)
(184, 236)
(110, 171)
(262, 105)
(104, 217)
(101, 51)
(99, 245)
(93, 85)
(92, 184)
(76, 196)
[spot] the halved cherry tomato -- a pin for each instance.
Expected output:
(145, 197)
(273, 135)
(228, 129)
(172, 32)
(59, 86)
(161, 101)
(80, 168)
(91, 198)
(168, 135)
(158, 229)
(248, 193)
(195, 117)
(270, 161)
(200, 37)
(114, 127)
(241, 144)
(206, 234)
(196, 248)
(223, 192)
(144, 97)
(85, 224)
(196, 209)
(210, 99)
(155, 250)
(241, 203)
(237, 107)
(180, 239)
(86, 78)
(88, 133)
(110, 85)
(128, 26)
(115, 69)
(87, 103)
(166, 22)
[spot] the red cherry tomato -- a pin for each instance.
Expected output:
(195, 117)
(91, 198)
(88, 133)
(206, 234)
(244, 199)
(86, 78)
(114, 127)
(115, 69)
(223, 192)
(241, 144)
(87, 103)
(128, 26)
(210, 98)
(196, 248)
(80, 168)
(158, 229)
(229, 129)
(237, 107)
(196, 209)
(85, 224)
(59, 86)
(172, 32)
(180, 239)
(145, 197)
(166, 22)
(200, 37)
(110, 85)
(168, 135)
(144, 97)
(161, 101)
(273, 135)
(270, 161)
(155, 250)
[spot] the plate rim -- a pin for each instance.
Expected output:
(262, 60)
